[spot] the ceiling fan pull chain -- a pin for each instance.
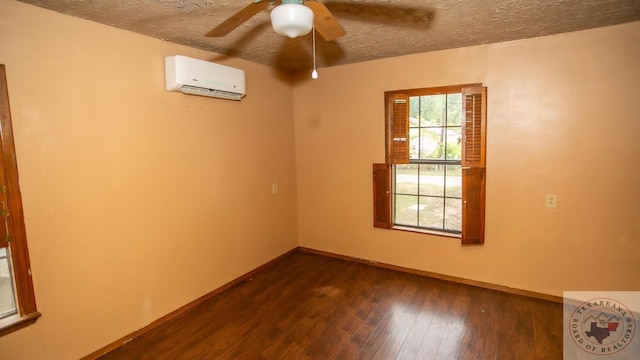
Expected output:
(314, 73)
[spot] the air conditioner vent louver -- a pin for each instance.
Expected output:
(194, 90)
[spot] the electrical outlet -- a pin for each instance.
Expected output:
(274, 188)
(550, 201)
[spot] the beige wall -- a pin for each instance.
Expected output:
(137, 201)
(562, 119)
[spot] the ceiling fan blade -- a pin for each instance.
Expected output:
(325, 23)
(238, 18)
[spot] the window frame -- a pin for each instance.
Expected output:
(421, 161)
(474, 98)
(27, 312)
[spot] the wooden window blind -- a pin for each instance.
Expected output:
(382, 196)
(397, 129)
(473, 183)
(474, 107)
(474, 127)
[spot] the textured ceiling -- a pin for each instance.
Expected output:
(375, 29)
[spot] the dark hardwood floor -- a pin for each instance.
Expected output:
(308, 306)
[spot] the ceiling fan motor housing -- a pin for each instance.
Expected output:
(292, 19)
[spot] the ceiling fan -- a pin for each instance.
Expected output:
(290, 18)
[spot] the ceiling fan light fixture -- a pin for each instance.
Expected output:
(292, 20)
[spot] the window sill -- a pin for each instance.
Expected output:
(427, 231)
(17, 322)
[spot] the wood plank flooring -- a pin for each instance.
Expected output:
(308, 306)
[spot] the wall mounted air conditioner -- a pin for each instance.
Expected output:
(199, 77)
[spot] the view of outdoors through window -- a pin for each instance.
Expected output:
(7, 301)
(427, 191)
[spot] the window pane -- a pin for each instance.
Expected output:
(7, 301)
(432, 109)
(432, 143)
(406, 210)
(406, 179)
(454, 181)
(431, 212)
(414, 143)
(454, 143)
(427, 144)
(453, 214)
(454, 109)
(414, 110)
(432, 180)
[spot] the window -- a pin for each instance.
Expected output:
(433, 178)
(17, 299)
(7, 301)
(427, 191)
